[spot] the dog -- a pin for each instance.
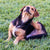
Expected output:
(23, 25)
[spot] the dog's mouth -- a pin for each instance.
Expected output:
(27, 11)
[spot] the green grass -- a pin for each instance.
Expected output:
(10, 9)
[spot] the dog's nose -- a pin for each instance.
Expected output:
(28, 7)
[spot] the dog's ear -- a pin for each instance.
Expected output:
(36, 14)
(22, 8)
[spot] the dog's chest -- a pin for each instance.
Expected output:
(15, 29)
(25, 26)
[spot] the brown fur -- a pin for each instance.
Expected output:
(25, 17)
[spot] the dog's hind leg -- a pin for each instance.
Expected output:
(18, 38)
(37, 33)
(20, 35)
(39, 36)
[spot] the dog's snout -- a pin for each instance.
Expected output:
(28, 7)
(27, 10)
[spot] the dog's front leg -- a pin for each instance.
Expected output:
(9, 35)
(18, 38)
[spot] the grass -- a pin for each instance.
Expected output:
(10, 9)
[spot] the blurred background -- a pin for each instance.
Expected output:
(10, 9)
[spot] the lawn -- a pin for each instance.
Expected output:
(10, 9)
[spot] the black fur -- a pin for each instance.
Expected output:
(18, 19)
(28, 27)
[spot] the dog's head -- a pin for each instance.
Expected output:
(30, 11)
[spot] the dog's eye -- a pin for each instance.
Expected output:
(32, 9)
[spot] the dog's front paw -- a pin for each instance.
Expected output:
(15, 42)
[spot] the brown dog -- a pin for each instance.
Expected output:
(23, 24)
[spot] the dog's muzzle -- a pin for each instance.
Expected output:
(27, 10)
